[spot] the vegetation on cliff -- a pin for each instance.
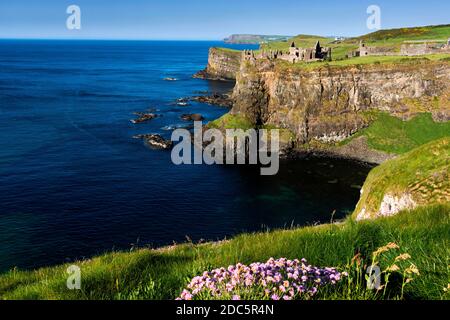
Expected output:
(393, 135)
(419, 177)
(162, 274)
(375, 61)
(399, 35)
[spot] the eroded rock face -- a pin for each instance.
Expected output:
(326, 103)
(390, 206)
(223, 64)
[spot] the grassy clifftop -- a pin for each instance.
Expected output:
(419, 177)
(438, 32)
(161, 274)
(391, 38)
(392, 135)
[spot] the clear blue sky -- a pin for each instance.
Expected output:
(209, 19)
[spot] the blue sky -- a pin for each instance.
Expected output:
(209, 19)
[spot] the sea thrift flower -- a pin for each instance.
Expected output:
(276, 279)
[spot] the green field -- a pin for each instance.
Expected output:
(392, 38)
(393, 135)
(441, 33)
(366, 61)
(423, 173)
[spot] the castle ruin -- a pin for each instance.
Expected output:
(427, 47)
(364, 51)
(294, 55)
(407, 49)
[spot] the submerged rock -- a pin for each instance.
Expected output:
(155, 140)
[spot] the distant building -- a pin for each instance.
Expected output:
(295, 54)
(407, 49)
(426, 47)
(364, 51)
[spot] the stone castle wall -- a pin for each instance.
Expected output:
(423, 49)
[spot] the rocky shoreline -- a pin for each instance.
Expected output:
(205, 75)
(216, 99)
(357, 151)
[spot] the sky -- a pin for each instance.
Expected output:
(210, 19)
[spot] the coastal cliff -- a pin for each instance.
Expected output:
(418, 178)
(223, 64)
(329, 104)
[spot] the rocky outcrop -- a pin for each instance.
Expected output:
(155, 141)
(327, 103)
(143, 117)
(223, 64)
(215, 99)
(192, 117)
(418, 178)
(359, 149)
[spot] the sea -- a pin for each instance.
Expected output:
(74, 183)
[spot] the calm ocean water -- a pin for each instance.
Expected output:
(73, 182)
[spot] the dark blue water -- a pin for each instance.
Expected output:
(73, 182)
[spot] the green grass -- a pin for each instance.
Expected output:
(423, 173)
(365, 61)
(396, 36)
(161, 274)
(393, 135)
(231, 121)
(229, 50)
(392, 38)
(301, 41)
(339, 51)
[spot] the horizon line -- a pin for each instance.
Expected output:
(110, 39)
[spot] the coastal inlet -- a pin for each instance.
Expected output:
(72, 177)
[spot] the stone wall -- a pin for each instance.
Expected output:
(423, 49)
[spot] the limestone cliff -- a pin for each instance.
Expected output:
(327, 103)
(223, 64)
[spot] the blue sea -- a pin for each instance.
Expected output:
(74, 183)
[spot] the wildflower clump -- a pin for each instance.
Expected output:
(281, 279)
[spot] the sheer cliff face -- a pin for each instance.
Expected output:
(223, 63)
(326, 103)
